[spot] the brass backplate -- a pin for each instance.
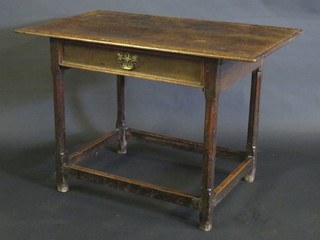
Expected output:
(127, 61)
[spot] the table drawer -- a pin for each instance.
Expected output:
(146, 64)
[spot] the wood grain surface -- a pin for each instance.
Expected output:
(233, 41)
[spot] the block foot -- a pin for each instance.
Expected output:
(249, 178)
(205, 227)
(63, 188)
(122, 151)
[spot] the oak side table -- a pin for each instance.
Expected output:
(204, 54)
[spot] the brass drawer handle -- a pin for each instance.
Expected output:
(127, 62)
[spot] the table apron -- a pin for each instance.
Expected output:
(151, 65)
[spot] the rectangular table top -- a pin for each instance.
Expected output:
(223, 40)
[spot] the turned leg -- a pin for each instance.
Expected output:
(59, 112)
(211, 90)
(121, 124)
(253, 121)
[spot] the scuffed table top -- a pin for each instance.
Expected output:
(223, 40)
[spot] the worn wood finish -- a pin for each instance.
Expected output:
(59, 116)
(166, 140)
(254, 120)
(121, 124)
(188, 145)
(151, 65)
(233, 41)
(207, 54)
(93, 147)
(212, 83)
(232, 71)
(231, 181)
(130, 185)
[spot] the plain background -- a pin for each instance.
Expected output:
(283, 202)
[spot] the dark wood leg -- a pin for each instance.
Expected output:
(212, 88)
(253, 121)
(58, 87)
(121, 124)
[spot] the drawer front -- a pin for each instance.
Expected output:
(172, 68)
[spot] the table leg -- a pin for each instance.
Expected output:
(121, 124)
(253, 121)
(211, 90)
(59, 112)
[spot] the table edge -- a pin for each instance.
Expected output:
(296, 32)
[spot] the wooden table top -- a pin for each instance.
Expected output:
(224, 40)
